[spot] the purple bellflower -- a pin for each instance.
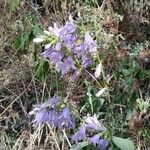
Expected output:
(77, 49)
(44, 116)
(86, 62)
(68, 33)
(95, 139)
(67, 36)
(47, 113)
(41, 117)
(67, 65)
(76, 74)
(69, 28)
(52, 102)
(89, 44)
(80, 135)
(65, 119)
(55, 30)
(92, 123)
(87, 47)
(103, 144)
(47, 52)
(69, 40)
(56, 57)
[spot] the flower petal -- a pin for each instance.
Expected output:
(98, 70)
(100, 92)
(39, 39)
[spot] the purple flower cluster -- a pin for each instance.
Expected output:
(91, 125)
(69, 48)
(47, 113)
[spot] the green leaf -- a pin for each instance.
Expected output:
(37, 30)
(22, 41)
(42, 69)
(123, 144)
(101, 102)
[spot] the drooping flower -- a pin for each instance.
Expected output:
(69, 28)
(52, 102)
(63, 43)
(48, 113)
(45, 112)
(69, 40)
(67, 65)
(92, 123)
(86, 62)
(89, 44)
(55, 30)
(68, 33)
(77, 49)
(57, 46)
(47, 52)
(80, 135)
(103, 144)
(43, 115)
(76, 74)
(95, 139)
(56, 58)
(65, 119)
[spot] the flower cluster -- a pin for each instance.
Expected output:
(91, 126)
(67, 49)
(47, 113)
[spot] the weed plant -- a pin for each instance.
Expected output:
(71, 81)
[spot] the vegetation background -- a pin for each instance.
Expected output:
(121, 28)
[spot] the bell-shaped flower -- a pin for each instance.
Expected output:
(80, 135)
(64, 119)
(86, 62)
(95, 139)
(89, 44)
(67, 65)
(51, 102)
(45, 112)
(55, 30)
(69, 40)
(43, 116)
(76, 74)
(54, 54)
(92, 123)
(69, 28)
(78, 50)
(103, 144)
